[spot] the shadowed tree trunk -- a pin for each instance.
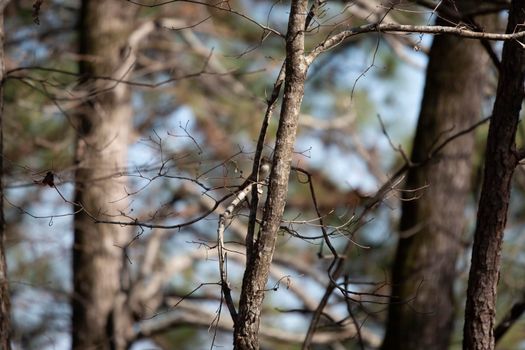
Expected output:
(421, 310)
(5, 307)
(103, 124)
(501, 158)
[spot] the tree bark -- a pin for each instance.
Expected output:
(421, 310)
(5, 306)
(501, 159)
(260, 258)
(103, 124)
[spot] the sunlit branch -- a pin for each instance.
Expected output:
(394, 28)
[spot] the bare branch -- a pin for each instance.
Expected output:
(406, 28)
(192, 314)
(245, 189)
(217, 6)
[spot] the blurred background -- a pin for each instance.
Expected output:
(196, 79)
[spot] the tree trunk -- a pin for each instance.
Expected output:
(103, 124)
(259, 260)
(421, 310)
(5, 307)
(501, 159)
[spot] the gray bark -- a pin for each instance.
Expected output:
(260, 257)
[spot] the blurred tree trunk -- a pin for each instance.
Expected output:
(421, 310)
(104, 122)
(501, 159)
(5, 307)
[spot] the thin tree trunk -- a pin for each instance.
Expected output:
(104, 123)
(259, 260)
(421, 310)
(501, 159)
(5, 307)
